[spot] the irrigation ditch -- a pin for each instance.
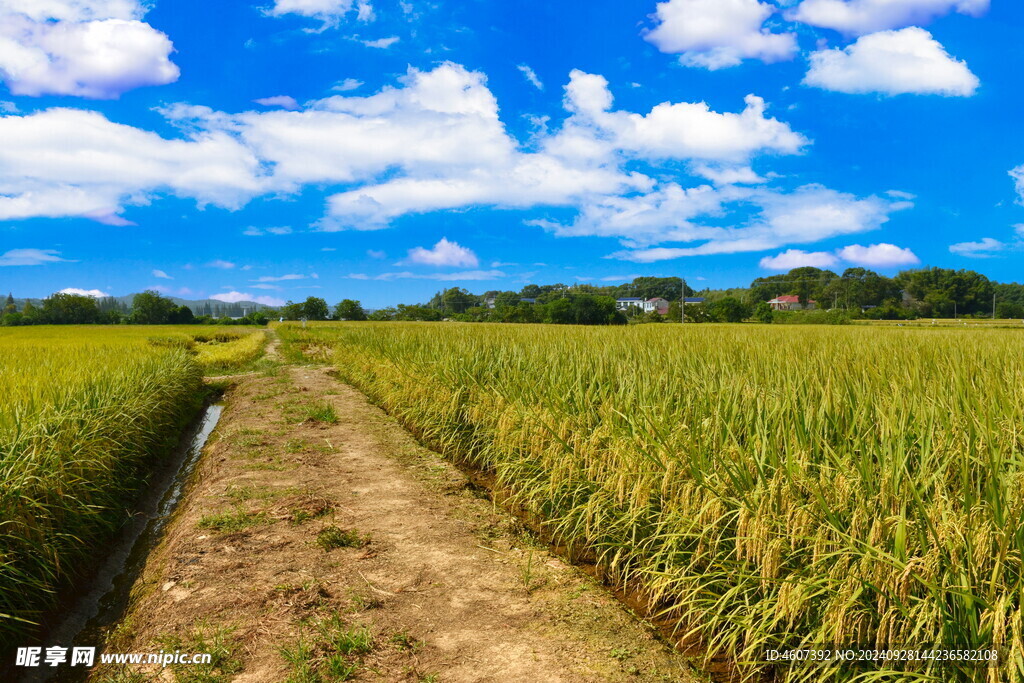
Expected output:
(92, 605)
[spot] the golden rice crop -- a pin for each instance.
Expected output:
(769, 487)
(218, 354)
(83, 412)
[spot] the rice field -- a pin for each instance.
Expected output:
(768, 487)
(84, 412)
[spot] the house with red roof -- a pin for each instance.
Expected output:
(790, 302)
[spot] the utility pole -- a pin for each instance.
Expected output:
(682, 300)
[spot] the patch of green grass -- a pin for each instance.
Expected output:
(230, 522)
(321, 411)
(241, 494)
(303, 668)
(247, 438)
(404, 641)
(333, 654)
(332, 537)
(301, 515)
(216, 641)
(351, 641)
(623, 653)
(362, 603)
(273, 464)
(295, 445)
(340, 668)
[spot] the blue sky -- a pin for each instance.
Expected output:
(383, 150)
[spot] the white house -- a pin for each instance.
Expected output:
(657, 304)
(629, 302)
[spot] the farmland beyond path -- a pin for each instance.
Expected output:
(319, 541)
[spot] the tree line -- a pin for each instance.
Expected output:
(856, 293)
(925, 292)
(147, 308)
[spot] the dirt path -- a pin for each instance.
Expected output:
(320, 542)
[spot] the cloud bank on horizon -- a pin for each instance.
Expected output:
(701, 170)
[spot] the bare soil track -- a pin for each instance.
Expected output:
(313, 515)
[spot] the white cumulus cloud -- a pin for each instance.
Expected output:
(347, 84)
(68, 162)
(878, 255)
(236, 297)
(87, 48)
(796, 258)
(327, 10)
(283, 101)
(858, 17)
(94, 293)
(444, 253)
(873, 256)
(685, 130)
(162, 275)
(381, 43)
(892, 63)
(984, 248)
(809, 214)
(434, 141)
(715, 34)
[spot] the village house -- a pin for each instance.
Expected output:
(790, 302)
(656, 305)
(629, 302)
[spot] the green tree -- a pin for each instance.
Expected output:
(807, 283)
(70, 309)
(349, 309)
(502, 299)
(859, 287)
(763, 313)
(404, 312)
(9, 306)
(1009, 309)
(182, 315)
(30, 315)
(729, 310)
(315, 308)
(457, 300)
(941, 292)
(291, 311)
(149, 308)
(530, 292)
(668, 288)
(256, 318)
